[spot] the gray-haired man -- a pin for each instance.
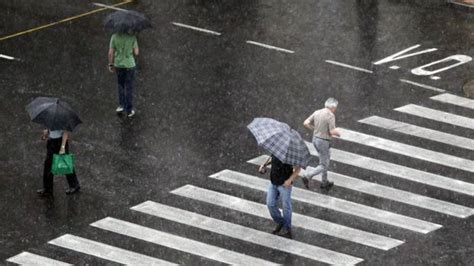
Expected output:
(323, 124)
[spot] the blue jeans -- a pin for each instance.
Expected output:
(125, 78)
(273, 194)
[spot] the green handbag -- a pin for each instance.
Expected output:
(63, 164)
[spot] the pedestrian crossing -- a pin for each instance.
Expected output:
(157, 237)
(437, 115)
(389, 193)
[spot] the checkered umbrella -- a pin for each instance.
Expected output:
(281, 141)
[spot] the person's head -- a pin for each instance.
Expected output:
(331, 104)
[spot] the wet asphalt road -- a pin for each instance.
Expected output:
(196, 93)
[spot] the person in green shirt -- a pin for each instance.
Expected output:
(123, 49)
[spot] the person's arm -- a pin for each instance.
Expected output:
(291, 179)
(111, 59)
(263, 168)
(45, 134)
(64, 141)
(309, 122)
(332, 128)
(136, 51)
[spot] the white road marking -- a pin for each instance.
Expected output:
(437, 115)
(245, 233)
(421, 132)
(109, 7)
(299, 220)
(348, 66)
(30, 259)
(271, 47)
(424, 86)
(407, 150)
(390, 193)
(177, 242)
(435, 77)
(454, 99)
(105, 251)
(196, 28)
(332, 203)
(394, 67)
(399, 171)
(8, 57)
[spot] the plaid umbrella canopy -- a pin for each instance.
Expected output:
(281, 141)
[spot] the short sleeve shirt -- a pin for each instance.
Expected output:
(55, 134)
(123, 45)
(280, 171)
(323, 121)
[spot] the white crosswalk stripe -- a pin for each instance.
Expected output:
(437, 115)
(177, 242)
(298, 220)
(455, 100)
(105, 251)
(333, 203)
(30, 259)
(390, 193)
(407, 150)
(421, 132)
(398, 171)
(245, 234)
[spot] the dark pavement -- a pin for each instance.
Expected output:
(195, 94)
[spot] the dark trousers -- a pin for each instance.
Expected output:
(125, 78)
(53, 146)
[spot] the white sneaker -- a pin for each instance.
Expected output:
(132, 113)
(119, 109)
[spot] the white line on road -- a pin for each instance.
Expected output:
(454, 99)
(8, 57)
(437, 115)
(105, 251)
(271, 47)
(349, 66)
(245, 233)
(421, 132)
(299, 220)
(399, 171)
(333, 203)
(196, 28)
(110, 7)
(424, 86)
(407, 150)
(177, 242)
(27, 258)
(390, 193)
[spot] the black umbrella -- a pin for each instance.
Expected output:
(53, 114)
(126, 21)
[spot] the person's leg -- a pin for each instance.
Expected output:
(47, 175)
(272, 204)
(71, 178)
(121, 86)
(324, 159)
(285, 194)
(319, 146)
(130, 78)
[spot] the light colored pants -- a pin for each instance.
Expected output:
(323, 148)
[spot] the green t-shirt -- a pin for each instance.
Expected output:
(123, 45)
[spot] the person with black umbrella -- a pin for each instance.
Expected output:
(123, 49)
(59, 119)
(57, 142)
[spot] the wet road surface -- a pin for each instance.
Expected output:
(200, 81)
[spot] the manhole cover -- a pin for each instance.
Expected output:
(468, 89)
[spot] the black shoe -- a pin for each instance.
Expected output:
(277, 229)
(305, 182)
(45, 193)
(327, 185)
(286, 233)
(73, 190)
